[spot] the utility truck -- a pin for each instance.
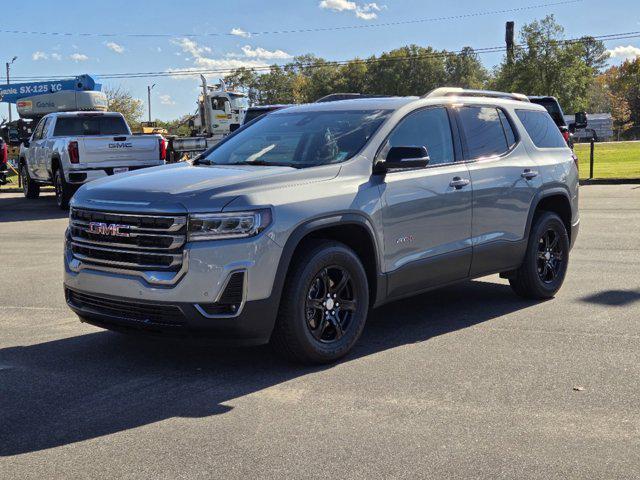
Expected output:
(220, 112)
(69, 149)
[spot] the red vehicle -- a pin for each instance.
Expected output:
(4, 158)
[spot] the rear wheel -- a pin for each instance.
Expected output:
(324, 304)
(64, 191)
(542, 273)
(30, 189)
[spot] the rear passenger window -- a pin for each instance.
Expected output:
(483, 132)
(426, 128)
(543, 131)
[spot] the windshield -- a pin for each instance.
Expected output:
(299, 139)
(239, 101)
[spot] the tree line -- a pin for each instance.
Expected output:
(543, 63)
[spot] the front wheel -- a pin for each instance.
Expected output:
(30, 189)
(324, 304)
(545, 264)
(62, 188)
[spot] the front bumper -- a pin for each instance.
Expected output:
(208, 268)
(252, 326)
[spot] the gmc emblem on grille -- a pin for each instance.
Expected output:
(112, 229)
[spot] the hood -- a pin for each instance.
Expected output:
(182, 186)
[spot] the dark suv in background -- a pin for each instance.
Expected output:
(552, 106)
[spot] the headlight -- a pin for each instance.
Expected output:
(218, 226)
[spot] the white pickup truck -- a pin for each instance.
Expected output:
(69, 149)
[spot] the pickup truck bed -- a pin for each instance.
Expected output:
(70, 149)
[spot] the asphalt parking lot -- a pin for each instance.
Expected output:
(466, 382)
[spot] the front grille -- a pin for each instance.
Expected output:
(133, 242)
(149, 314)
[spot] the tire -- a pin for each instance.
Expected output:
(306, 330)
(30, 189)
(545, 263)
(64, 191)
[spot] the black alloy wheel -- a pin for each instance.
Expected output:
(550, 256)
(331, 303)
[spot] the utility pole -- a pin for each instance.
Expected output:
(509, 39)
(149, 88)
(8, 64)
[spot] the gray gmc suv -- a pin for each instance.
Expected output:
(292, 228)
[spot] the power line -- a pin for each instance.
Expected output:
(435, 54)
(299, 30)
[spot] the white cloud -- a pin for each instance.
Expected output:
(368, 11)
(238, 32)
(337, 5)
(39, 56)
(56, 56)
(190, 46)
(115, 47)
(260, 52)
(78, 57)
(364, 11)
(197, 55)
(626, 53)
(166, 100)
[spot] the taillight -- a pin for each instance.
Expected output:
(3, 154)
(74, 155)
(162, 148)
(566, 135)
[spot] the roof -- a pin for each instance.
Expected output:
(378, 103)
(82, 112)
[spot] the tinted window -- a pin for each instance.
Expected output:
(299, 139)
(429, 128)
(90, 125)
(508, 129)
(483, 132)
(543, 131)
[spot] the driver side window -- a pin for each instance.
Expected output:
(426, 128)
(37, 134)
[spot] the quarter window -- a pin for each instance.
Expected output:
(426, 128)
(541, 128)
(508, 129)
(484, 131)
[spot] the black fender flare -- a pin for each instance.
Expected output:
(543, 193)
(334, 219)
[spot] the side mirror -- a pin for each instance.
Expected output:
(404, 158)
(580, 120)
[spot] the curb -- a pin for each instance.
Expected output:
(610, 181)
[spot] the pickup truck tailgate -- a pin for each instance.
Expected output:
(130, 149)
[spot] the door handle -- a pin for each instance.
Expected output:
(459, 183)
(528, 174)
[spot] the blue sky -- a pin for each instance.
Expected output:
(42, 55)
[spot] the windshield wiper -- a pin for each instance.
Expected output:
(264, 163)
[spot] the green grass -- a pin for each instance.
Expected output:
(611, 160)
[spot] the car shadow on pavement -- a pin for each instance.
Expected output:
(614, 298)
(16, 208)
(74, 389)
